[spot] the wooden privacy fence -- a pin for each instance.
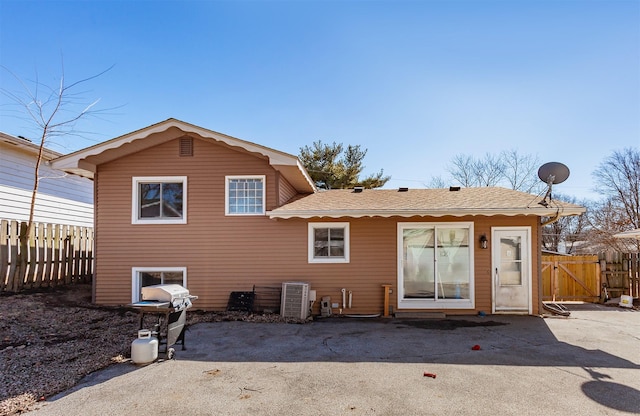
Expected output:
(621, 273)
(581, 278)
(570, 278)
(54, 255)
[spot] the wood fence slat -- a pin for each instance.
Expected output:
(76, 254)
(47, 274)
(66, 263)
(13, 255)
(23, 259)
(4, 254)
(41, 245)
(57, 241)
(31, 259)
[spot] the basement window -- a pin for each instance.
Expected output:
(149, 276)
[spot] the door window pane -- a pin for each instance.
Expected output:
(511, 261)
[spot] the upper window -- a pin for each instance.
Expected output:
(245, 195)
(329, 242)
(159, 200)
(148, 276)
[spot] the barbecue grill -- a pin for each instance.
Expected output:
(166, 306)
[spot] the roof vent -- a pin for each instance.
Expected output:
(454, 188)
(403, 189)
(358, 189)
(186, 146)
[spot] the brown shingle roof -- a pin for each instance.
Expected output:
(421, 202)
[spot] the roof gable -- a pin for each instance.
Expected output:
(84, 162)
(487, 201)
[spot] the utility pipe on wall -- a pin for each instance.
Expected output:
(344, 299)
(350, 298)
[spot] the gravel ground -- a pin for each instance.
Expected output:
(52, 338)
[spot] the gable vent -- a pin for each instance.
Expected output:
(186, 146)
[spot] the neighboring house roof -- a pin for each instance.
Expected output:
(629, 234)
(28, 146)
(84, 162)
(487, 201)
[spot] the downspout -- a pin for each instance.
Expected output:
(553, 219)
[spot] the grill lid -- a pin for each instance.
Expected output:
(164, 293)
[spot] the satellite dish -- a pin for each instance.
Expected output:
(553, 173)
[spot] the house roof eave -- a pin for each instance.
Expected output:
(76, 162)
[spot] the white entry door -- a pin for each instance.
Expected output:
(511, 254)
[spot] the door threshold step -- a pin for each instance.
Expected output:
(421, 315)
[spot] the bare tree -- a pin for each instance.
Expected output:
(520, 171)
(618, 180)
(54, 112)
(566, 232)
(463, 170)
(508, 168)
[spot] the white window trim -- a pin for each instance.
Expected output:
(135, 278)
(226, 195)
(436, 303)
(135, 199)
(311, 242)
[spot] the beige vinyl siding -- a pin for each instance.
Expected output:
(233, 253)
(286, 191)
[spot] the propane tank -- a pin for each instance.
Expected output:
(144, 350)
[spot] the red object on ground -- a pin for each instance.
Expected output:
(475, 347)
(429, 375)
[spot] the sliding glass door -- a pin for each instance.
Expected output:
(435, 265)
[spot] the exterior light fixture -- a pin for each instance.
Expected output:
(484, 243)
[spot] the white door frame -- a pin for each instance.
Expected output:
(526, 269)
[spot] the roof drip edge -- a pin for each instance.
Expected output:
(408, 214)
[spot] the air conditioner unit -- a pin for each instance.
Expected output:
(295, 300)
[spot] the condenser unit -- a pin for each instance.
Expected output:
(295, 300)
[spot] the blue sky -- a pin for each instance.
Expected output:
(414, 82)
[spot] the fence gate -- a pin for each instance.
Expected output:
(571, 278)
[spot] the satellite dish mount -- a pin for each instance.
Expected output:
(552, 173)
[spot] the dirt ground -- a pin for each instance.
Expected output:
(51, 338)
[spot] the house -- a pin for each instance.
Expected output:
(61, 199)
(177, 203)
